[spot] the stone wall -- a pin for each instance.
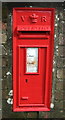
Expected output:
(57, 101)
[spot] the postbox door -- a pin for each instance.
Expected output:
(32, 69)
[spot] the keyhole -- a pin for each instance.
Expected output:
(26, 80)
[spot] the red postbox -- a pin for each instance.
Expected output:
(33, 34)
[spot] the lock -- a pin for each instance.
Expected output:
(26, 80)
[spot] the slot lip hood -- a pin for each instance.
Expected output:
(34, 28)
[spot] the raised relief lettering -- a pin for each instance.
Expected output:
(43, 19)
(23, 18)
(33, 18)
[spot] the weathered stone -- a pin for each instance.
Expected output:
(0, 84)
(59, 85)
(61, 73)
(4, 62)
(4, 26)
(4, 70)
(61, 62)
(4, 84)
(4, 38)
(56, 114)
(0, 61)
(0, 25)
(61, 51)
(8, 113)
(61, 39)
(0, 114)
(44, 114)
(9, 62)
(32, 115)
(2, 50)
(64, 14)
(0, 94)
(0, 72)
(59, 95)
(57, 79)
(58, 105)
(9, 82)
(4, 94)
(61, 15)
(0, 38)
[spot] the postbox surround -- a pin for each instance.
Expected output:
(33, 28)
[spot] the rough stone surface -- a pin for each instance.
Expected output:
(32, 115)
(52, 114)
(61, 39)
(61, 62)
(59, 95)
(59, 85)
(0, 114)
(58, 65)
(61, 51)
(4, 38)
(61, 73)
(59, 105)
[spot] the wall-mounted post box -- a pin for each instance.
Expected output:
(33, 31)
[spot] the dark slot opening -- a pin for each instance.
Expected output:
(34, 32)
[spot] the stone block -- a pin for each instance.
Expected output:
(32, 115)
(0, 72)
(4, 26)
(58, 105)
(61, 39)
(61, 15)
(0, 38)
(61, 51)
(7, 111)
(56, 114)
(44, 114)
(4, 84)
(4, 62)
(0, 114)
(59, 95)
(0, 84)
(64, 15)
(61, 62)
(4, 71)
(0, 61)
(59, 85)
(9, 82)
(4, 38)
(5, 94)
(2, 50)
(61, 73)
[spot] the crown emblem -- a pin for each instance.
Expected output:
(34, 18)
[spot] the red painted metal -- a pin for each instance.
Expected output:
(32, 28)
